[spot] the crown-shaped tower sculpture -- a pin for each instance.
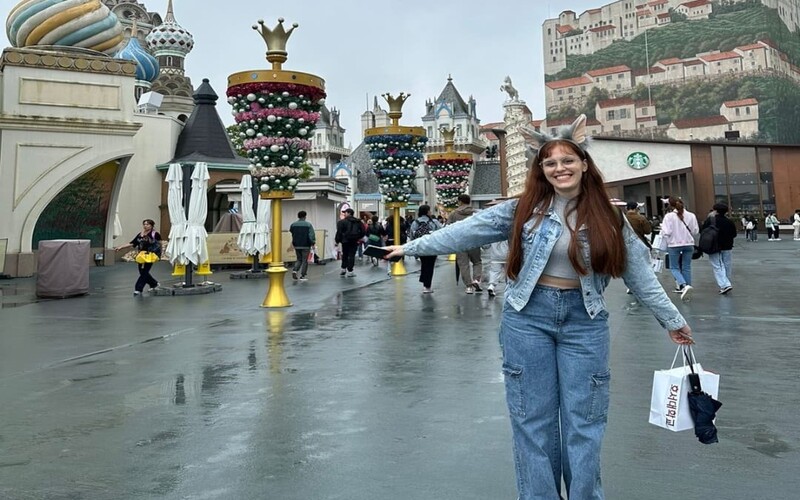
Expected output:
(450, 170)
(276, 111)
(276, 41)
(396, 152)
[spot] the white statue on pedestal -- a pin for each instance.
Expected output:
(508, 88)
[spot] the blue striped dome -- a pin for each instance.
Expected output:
(72, 23)
(146, 65)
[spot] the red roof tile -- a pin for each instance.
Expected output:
(670, 61)
(721, 56)
(692, 62)
(564, 29)
(752, 46)
(706, 121)
(642, 103)
(741, 102)
(569, 82)
(608, 71)
(696, 3)
(613, 103)
(600, 29)
(641, 119)
(558, 122)
(663, 15)
(655, 3)
(644, 12)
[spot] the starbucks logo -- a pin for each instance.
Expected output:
(638, 161)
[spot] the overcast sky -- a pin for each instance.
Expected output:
(369, 47)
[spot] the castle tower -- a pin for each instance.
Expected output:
(146, 65)
(171, 43)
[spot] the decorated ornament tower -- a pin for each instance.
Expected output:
(276, 111)
(396, 152)
(450, 171)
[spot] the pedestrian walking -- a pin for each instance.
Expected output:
(376, 234)
(679, 227)
(470, 275)
(722, 261)
(349, 232)
(303, 241)
(422, 226)
(796, 225)
(566, 241)
(773, 228)
(148, 244)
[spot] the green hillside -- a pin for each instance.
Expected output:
(778, 97)
(685, 39)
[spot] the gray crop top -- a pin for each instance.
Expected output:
(558, 265)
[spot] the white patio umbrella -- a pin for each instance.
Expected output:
(262, 237)
(177, 215)
(195, 249)
(247, 234)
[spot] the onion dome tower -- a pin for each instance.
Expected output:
(171, 43)
(89, 25)
(146, 65)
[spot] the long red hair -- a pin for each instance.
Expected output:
(594, 210)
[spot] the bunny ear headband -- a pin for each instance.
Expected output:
(575, 133)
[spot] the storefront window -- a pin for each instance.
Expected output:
(765, 178)
(720, 176)
(743, 180)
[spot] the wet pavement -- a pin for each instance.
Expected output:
(367, 389)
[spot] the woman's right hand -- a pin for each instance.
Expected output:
(682, 335)
(394, 251)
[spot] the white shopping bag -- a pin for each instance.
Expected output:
(660, 243)
(658, 264)
(669, 403)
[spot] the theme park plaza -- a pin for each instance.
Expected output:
(366, 389)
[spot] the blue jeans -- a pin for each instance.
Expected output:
(555, 365)
(682, 273)
(722, 264)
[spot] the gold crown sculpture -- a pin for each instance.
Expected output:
(449, 135)
(396, 106)
(276, 54)
(276, 41)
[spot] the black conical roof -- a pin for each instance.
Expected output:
(204, 137)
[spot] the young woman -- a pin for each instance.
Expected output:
(565, 243)
(421, 226)
(148, 240)
(679, 228)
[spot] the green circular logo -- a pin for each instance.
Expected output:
(638, 160)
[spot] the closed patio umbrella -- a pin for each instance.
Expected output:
(177, 215)
(247, 233)
(195, 249)
(261, 241)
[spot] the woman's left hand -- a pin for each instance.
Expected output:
(682, 335)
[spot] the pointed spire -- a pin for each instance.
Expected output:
(170, 18)
(449, 77)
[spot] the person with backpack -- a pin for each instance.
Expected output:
(422, 226)
(349, 232)
(375, 236)
(303, 240)
(148, 243)
(719, 232)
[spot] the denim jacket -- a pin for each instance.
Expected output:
(495, 223)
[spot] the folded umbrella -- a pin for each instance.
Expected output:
(702, 407)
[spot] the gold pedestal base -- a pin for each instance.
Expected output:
(398, 268)
(451, 257)
(276, 295)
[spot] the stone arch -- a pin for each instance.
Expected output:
(58, 179)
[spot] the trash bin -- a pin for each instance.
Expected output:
(63, 268)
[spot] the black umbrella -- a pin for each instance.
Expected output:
(701, 405)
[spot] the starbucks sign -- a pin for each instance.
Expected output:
(638, 160)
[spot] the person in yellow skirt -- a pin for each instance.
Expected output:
(148, 243)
